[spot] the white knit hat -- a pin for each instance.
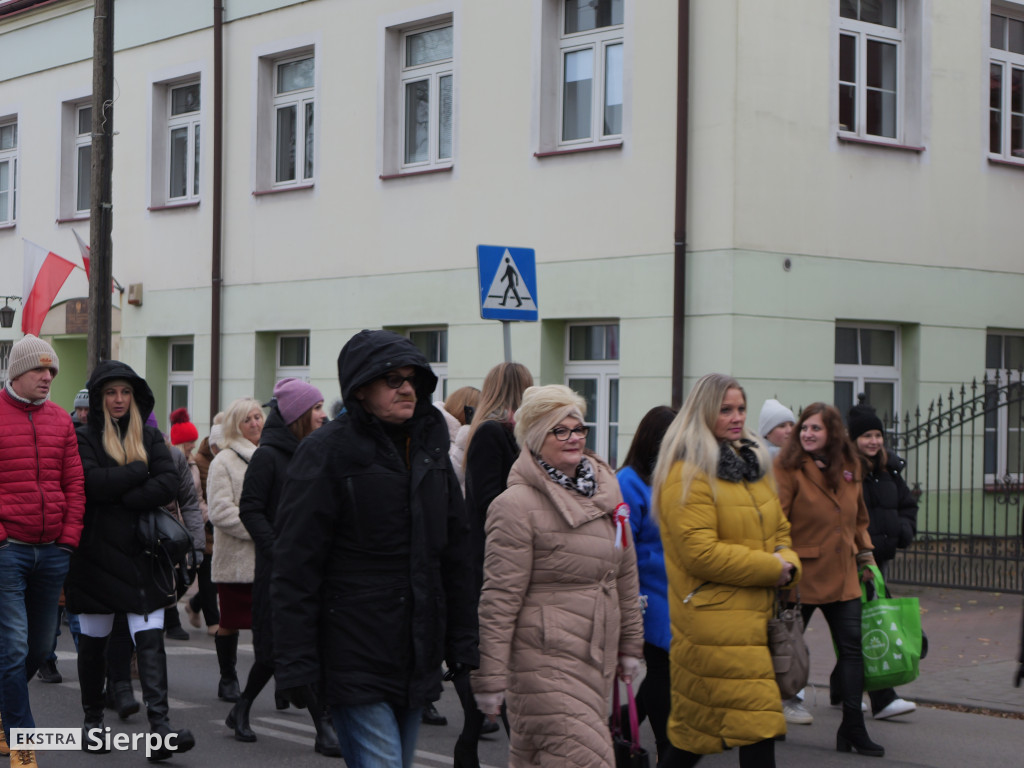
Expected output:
(216, 435)
(28, 353)
(773, 413)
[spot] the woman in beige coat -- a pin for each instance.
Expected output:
(560, 610)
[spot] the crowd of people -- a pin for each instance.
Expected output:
(478, 540)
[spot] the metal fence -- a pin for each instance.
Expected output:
(965, 463)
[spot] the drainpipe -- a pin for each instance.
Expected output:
(218, 158)
(682, 151)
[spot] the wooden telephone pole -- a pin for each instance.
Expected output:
(100, 210)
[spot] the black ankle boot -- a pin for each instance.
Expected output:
(149, 645)
(465, 755)
(92, 674)
(326, 742)
(853, 735)
(238, 719)
(125, 703)
(227, 658)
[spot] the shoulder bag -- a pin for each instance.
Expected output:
(628, 752)
(790, 656)
(168, 547)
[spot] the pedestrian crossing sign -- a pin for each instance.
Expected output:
(508, 282)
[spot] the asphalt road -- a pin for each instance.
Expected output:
(929, 737)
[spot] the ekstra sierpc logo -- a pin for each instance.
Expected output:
(43, 739)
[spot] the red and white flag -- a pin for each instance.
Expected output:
(45, 273)
(84, 248)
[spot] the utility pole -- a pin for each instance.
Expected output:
(100, 210)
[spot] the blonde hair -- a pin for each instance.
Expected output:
(234, 415)
(691, 438)
(501, 395)
(128, 447)
(542, 409)
(459, 399)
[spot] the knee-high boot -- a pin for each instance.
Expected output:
(149, 645)
(92, 674)
(227, 658)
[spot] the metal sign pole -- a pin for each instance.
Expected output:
(506, 333)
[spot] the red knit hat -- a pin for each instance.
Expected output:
(182, 428)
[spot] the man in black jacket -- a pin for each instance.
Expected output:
(371, 584)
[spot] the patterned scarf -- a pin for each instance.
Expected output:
(584, 482)
(738, 463)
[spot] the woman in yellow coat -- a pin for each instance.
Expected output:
(727, 551)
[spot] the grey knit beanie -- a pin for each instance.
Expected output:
(82, 399)
(31, 352)
(773, 413)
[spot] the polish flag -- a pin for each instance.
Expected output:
(84, 248)
(45, 273)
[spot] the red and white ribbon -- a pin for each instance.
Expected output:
(621, 521)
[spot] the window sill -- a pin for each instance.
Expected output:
(9, 225)
(281, 190)
(577, 150)
(1009, 163)
(884, 144)
(426, 172)
(173, 206)
(73, 219)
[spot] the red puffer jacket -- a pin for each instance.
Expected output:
(42, 493)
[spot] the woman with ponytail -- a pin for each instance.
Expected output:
(128, 470)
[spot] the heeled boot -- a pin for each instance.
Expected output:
(238, 720)
(149, 645)
(92, 674)
(466, 754)
(227, 658)
(326, 742)
(853, 735)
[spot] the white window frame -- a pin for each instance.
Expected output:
(300, 99)
(282, 371)
(191, 122)
(72, 141)
(606, 375)
(861, 374)
(9, 160)
(5, 358)
(268, 58)
(162, 122)
(82, 140)
(182, 378)
(1008, 63)
(1002, 428)
(439, 367)
(864, 33)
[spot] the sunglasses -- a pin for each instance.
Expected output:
(395, 380)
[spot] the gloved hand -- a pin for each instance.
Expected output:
(199, 558)
(300, 697)
(490, 703)
(456, 670)
(629, 668)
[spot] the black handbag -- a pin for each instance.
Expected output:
(790, 657)
(168, 546)
(628, 752)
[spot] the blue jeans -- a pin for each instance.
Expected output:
(31, 576)
(377, 735)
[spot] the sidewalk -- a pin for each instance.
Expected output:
(973, 638)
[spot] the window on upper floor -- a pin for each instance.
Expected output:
(286, 120)
(177, 120)
(867, 362)
(1006, 87)
(592, 371)
(433, 343)
(1004, 406)
(870, 53)
(75, 158)
(8, 170)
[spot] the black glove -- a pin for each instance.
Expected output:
(456, 671)
(300, 697)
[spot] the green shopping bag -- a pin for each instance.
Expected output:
(890, 637)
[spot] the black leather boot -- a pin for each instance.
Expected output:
(465, 754)
(125, 702)
(326, 737)
(92, 674)
(227, 658)
(853, 735)
(149, 645)
(238, 719)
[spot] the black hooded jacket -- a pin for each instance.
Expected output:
(371, 579)
(109, 572)
(891, 507)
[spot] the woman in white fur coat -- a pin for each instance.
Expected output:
(234, 555)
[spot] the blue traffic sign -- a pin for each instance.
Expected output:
(508, 282)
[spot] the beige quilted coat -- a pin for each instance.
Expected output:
(559, 604)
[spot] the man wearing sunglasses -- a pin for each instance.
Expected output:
(371, 585)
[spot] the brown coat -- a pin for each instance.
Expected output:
(828, 527)
(559, 604)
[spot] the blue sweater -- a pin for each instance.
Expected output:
(650, 557)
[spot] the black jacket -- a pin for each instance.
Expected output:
(489, 458)
(371, 576)
(109, 572)
(891, 507)
(257, 509)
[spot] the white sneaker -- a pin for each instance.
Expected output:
(895, 708)
(795, 712)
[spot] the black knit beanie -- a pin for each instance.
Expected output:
(861, 419)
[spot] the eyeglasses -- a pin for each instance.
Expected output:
(395, 381)
(564, 433)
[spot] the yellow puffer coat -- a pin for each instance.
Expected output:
(719, 557)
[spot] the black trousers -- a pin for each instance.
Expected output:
(843, 619)
(654, 699)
